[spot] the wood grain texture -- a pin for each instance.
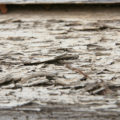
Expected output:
(34, 80)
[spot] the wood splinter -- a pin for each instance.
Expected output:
(3, 8)
(77, 70)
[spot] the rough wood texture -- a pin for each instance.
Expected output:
(60, 66)
(57, 1)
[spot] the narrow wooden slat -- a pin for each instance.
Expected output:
(57, 1)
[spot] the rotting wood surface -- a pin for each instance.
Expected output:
(59, 68)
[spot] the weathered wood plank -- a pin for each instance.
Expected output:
(57, 1)
(35, 82)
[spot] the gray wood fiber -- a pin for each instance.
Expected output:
(60, 64)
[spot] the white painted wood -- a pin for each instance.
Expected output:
(35, 45)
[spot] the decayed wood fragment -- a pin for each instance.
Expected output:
(54, 59)
(77, 70)
(36, 79)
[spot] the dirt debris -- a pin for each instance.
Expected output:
(34, 51)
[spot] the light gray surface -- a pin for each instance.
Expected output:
(56, 1)
(51, 91)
